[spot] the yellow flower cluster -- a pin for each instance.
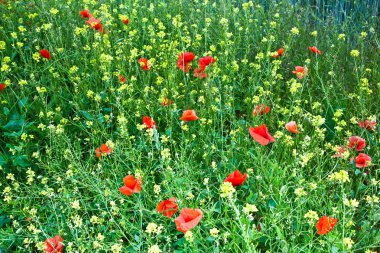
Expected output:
(340, 177)
(227, 190)
(354, 53)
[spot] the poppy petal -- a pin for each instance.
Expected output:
(126, 190)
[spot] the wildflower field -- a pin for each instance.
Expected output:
(189, 126)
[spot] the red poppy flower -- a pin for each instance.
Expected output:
(236, 178)
(188, 219)
(315, 50)
(362, 160)
(168, 207)
(2, 86)
(203, 63)
(300, 72)
(356, 142)
(189, 115)
(199, 73)
(122, 78)
(325, 224)
(125, 21)
(184, 60)
(149, 123)
(166, 102)
(279, 53)
(95, 23)
(144, 63)
(45, 54)
(85, 14)
(341, 150)
(369, 125)
(54, 245)
(103, 150)
(131, 185)
(260, 110)
(292, 127)
(261, 135)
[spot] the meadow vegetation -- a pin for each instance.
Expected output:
(188, 126)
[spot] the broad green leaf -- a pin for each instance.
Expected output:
(21, 161)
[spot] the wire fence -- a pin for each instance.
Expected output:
(342, 9)
(339, 10)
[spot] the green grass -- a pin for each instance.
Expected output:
(55, 113)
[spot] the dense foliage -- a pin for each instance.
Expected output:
(188, 126)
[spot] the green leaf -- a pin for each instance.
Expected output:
(4, 220)
(22, 103)
(6, 111)
(180, 242)
(13, 55)
(353, 165)
(272, 203)
(218, 207)
(21, 161)
(15, 123)
(2, 160)
(253, 196)
(87, 115)
(210, 239)
(107, 110)
(100, 118)
(13, 134)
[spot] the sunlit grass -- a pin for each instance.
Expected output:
(107, 98)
